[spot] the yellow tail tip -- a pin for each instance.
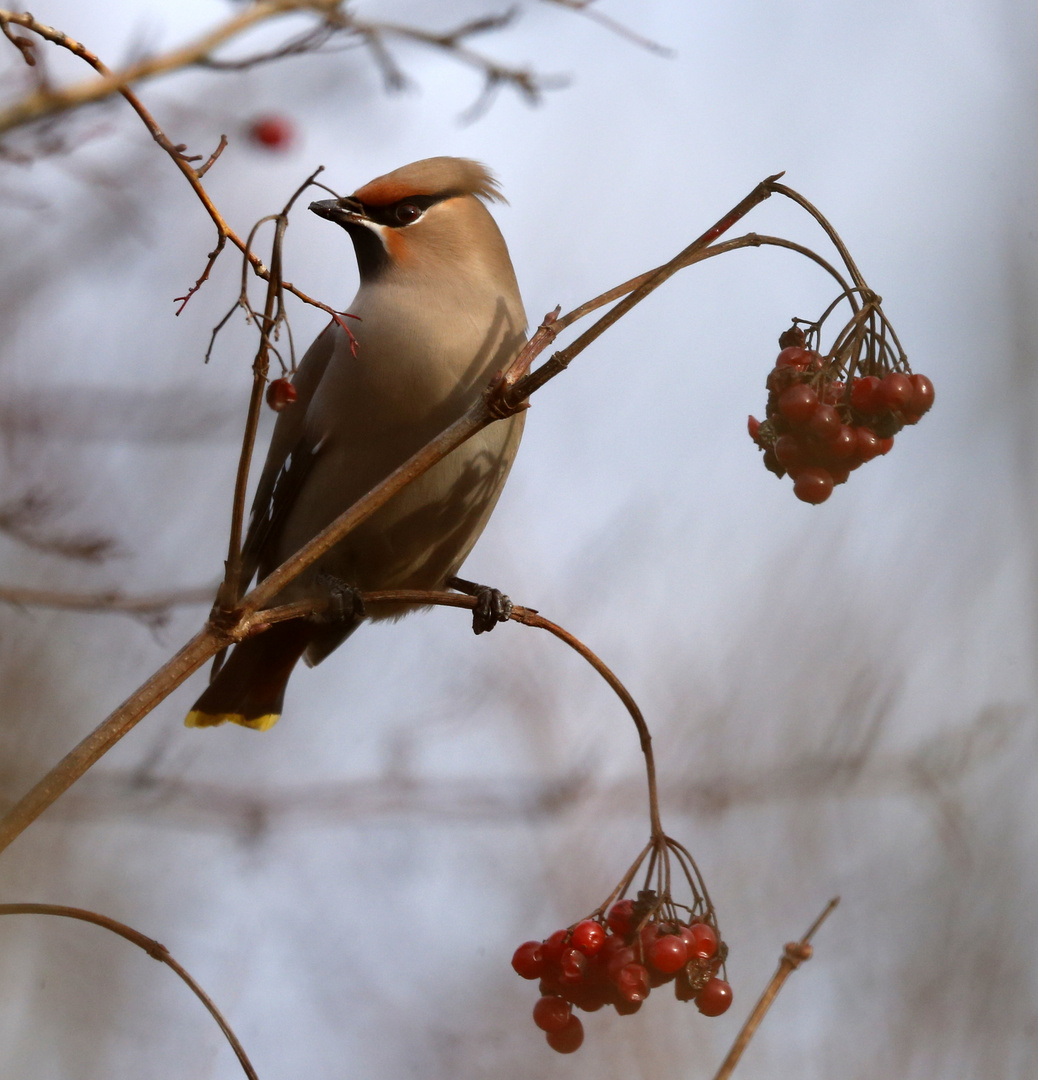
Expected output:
(198, 719)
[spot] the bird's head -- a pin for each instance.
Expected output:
(425, 219)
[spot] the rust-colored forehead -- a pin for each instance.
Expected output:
(385, 192)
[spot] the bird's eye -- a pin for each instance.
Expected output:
(407, 212)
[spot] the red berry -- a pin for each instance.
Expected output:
(619, 961)
(683, 990)
(715, 998)
(798, 403)
(272, 131)
(632, 981)
(813, 485)
(667, 953)
(551, 1013)
(621, 917)
(843, 444)
(569, 1038)
(825, 423)
(886, 445)
(572, 965)
(551, 947)
(868, 443)
(753, 426)
(863, 394)
(793, 357)
(625, 1007)
(922, 395)
(895, 391)
(703, 944)
(834, 393)
(790, 451)
(588, 936)
(280, 393)
(528, 960)
(839, 473)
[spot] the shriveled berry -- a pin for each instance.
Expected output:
(572, 965)
(753, 426)
(569, 1038)
(632, 981)
(667, 953)
(715, 998)
(813, 485)
(528, 960)
(551, 1013)
(798, 403)
(280, 394)
(619, 961)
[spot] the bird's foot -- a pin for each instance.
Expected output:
(345, 603)
(492, 606)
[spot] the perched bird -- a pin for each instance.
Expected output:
(439, 315)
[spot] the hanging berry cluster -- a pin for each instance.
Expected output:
(829, 415)
(618, 958)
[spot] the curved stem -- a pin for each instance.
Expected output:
(153, 948)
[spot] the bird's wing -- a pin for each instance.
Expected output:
(290, 456)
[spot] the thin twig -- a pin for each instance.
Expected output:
(795, 953)
(153, 948)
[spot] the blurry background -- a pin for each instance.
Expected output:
(842, 697)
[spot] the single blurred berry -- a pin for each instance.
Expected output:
(715, 998)
(273, 132)
(280, 394)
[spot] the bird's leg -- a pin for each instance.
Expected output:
(345, 604)
(492, 606)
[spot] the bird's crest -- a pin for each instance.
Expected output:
(437, 176)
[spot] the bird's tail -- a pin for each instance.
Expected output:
(250, 688)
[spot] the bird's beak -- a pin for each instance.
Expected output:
(343, 212)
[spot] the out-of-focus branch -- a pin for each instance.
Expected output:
(111, 601)
(334, 20)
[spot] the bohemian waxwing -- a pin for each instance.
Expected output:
(440, 314)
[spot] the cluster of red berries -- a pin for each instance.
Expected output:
(617, 963)
(819, 428)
